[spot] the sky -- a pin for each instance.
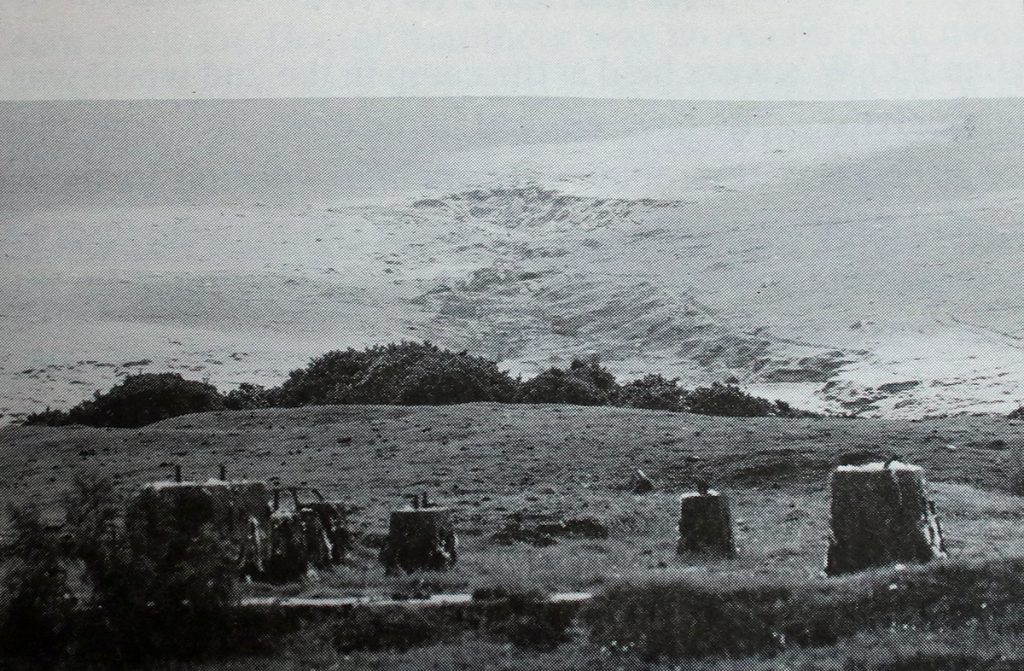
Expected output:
(672, 49)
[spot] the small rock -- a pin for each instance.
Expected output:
(642, 484)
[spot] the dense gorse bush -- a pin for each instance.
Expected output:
(405, 374)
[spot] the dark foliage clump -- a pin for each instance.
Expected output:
(406, 373)
(653, 392)
(248, 397)
(1016, 414)
(783, 409)
(130, 603)
(584, 383)
(36, 607)
(396, 374)
(139, 400)
(398, 629)
(524, 619)
(325, 380)
(171, 600)
(527, 620)
(678, 621)
(48, 417)
(730, 401)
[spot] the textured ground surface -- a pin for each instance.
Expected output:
(489, 461)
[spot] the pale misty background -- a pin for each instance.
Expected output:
(682, 49)
(822, 202)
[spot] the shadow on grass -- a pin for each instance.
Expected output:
(664, 621)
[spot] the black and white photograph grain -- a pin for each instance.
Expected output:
(512, 335)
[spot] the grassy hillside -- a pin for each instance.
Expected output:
(545, 463)
(489, 461)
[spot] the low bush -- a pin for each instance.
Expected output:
(395, 629)
(524, 619)
(653, 392)
(248, 397)
(584, 383)
(406, 373)
(325, 380)
(729, 401)
(139, 400)
(48, 417)
(130, 603)
(174, 600)
(397, 374)
(437, 377)
(37, 606)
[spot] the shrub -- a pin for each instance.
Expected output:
(441, 379)
(324, 380)
(397, 374)
(48, 417)
(169, 598)
(406, 373)
(91, 513)
(683, 621)
(728, 401)
(172, 599)
(653, 392)
(783, 409)
(585, 383)
(248, 397)
(526, 620)
(139, 400)
(395, 629)
(557, 386)
(37, 605)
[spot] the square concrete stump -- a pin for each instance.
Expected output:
(420, 539)
(881, 515)
(705, 525)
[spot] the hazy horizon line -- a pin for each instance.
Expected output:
(516, 97)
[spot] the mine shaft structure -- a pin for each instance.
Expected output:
(275, 542)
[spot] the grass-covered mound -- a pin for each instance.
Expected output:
(404, 374)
